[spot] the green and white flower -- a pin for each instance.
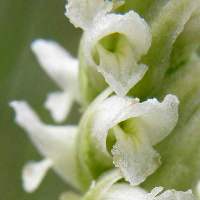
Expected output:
(138, 60)
(123, 130)
(119, 63)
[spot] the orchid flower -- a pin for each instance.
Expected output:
(137, 81)
(119, 64)
(125, 130)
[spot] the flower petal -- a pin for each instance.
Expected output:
(53, 142)
(117, 109)
(63, 69)
(136, 158)
(119, 64)
(59, 105)
(33, 173)
(137, 127)
(57, 63)
(82, 12)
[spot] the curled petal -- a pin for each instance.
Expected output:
(33, 173)
(82, 12)
(136, 127)
(131, 37)
(56, 143)
(59, 105)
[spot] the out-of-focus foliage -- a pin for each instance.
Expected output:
(21, 22)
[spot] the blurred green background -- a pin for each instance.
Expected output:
(21, 22)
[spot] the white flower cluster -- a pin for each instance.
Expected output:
(116, 131)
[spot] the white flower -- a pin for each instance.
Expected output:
(63, 69)
(132, 38)
(116, 132)
(135, 127)
(55, 143)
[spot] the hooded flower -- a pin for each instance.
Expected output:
(130, 34)
(125, 130)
